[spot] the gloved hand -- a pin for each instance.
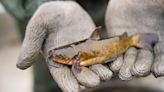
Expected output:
(56, 24)
(137, 16)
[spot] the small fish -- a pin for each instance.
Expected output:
(102, 51)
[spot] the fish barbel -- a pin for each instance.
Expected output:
(103, 51)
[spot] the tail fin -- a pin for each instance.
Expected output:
(146, 40)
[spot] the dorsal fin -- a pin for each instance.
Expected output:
(124, 35)
(96, 33)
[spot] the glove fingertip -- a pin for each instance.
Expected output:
(157, 69)
(143, 63)
(65, 79)
(19, 66)
(102, 71)
(116, 65)
(22, 66)
(129, 60)
(87, 78)
(125, 75)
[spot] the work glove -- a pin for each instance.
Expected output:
(55, 25)
(137, 16)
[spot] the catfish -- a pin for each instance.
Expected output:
(95, 51)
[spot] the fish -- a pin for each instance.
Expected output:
(95, 51)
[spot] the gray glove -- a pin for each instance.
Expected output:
(137, 16)
(56, 24)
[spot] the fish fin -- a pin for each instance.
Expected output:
(147, 40)
(124, 35)
(96, 33)
(110, 60)
(50, 54)
(54, 64)
(76, 63)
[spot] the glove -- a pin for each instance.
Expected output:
(136, 17)
(57, 24)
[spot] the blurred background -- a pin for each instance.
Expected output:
(11, 78)
(14, 16)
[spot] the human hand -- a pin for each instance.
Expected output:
(137, 17)
(54, 25)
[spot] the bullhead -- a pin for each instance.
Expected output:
(94, 51)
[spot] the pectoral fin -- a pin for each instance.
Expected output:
(111, 59)
(76, 63)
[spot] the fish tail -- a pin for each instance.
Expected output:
(144, 40)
